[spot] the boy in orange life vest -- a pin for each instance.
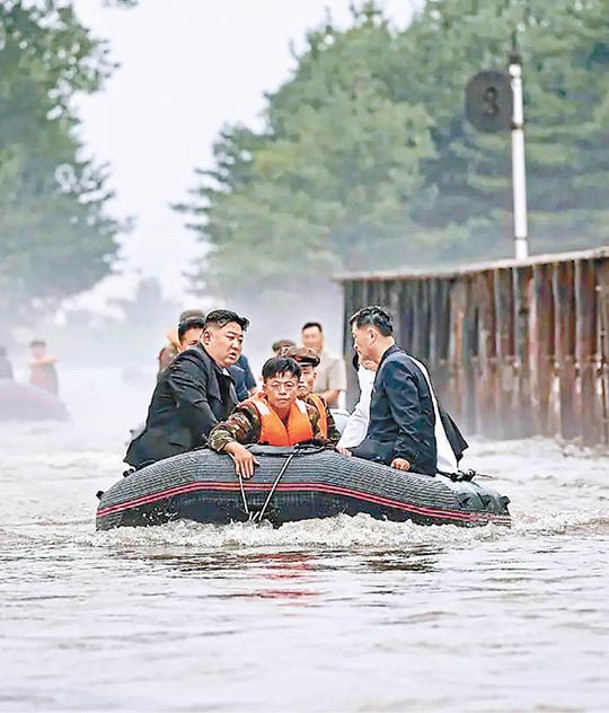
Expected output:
(308, 361)
(276, 417)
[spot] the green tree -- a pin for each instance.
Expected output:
(565, 51)
(327, 185)
(367, 161)
(56, 237)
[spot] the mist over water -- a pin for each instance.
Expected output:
(342, 614)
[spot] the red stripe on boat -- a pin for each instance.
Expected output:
(306, 487)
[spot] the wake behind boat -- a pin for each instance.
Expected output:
(202, 486)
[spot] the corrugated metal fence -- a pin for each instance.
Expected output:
(515, 348)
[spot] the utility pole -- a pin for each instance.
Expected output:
(519, 177)
(494, 103)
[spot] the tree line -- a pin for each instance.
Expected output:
(57, 237)
(366, 160)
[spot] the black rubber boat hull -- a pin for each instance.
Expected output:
(202, 486)
(21, 402)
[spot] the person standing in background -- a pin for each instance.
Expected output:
(331, 380)
(43, 374)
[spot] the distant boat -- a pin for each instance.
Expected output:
(21, 402)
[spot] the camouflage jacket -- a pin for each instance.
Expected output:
(243, 426)
(333, 432)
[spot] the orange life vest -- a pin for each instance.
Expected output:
(272, 429)
(320, 405)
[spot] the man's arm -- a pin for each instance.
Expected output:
(242, 426)
(229, 437)
(403, 396)
(333, 432)
(357, 425)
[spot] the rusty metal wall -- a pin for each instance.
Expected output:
(515, 348)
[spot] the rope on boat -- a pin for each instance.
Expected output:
(257, 517)
(299, 449)
(243, 496)
(465, 476)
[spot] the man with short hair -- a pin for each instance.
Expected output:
(169, 352)
(275, 417)
(193, 394)
(190, 332)
(406, 427)
(401, 429)
(308, 360)
(331, 373)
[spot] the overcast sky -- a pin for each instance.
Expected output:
(187, 68)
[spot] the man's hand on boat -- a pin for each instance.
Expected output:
(397, 463)
(245, 462)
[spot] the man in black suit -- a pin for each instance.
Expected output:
(193, 394)
(402, 425)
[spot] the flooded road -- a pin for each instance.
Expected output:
(343, 614)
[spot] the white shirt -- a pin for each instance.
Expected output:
(357, 425)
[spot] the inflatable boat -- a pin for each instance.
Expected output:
(292, 484)
(21, 402)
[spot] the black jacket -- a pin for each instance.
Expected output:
(401, 415)
(191, 396)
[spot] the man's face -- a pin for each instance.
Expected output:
(191, 338)
(313, 338)
(38, 351)
(363, 340)
(223, 344)
(281, 391)
(307, 380)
